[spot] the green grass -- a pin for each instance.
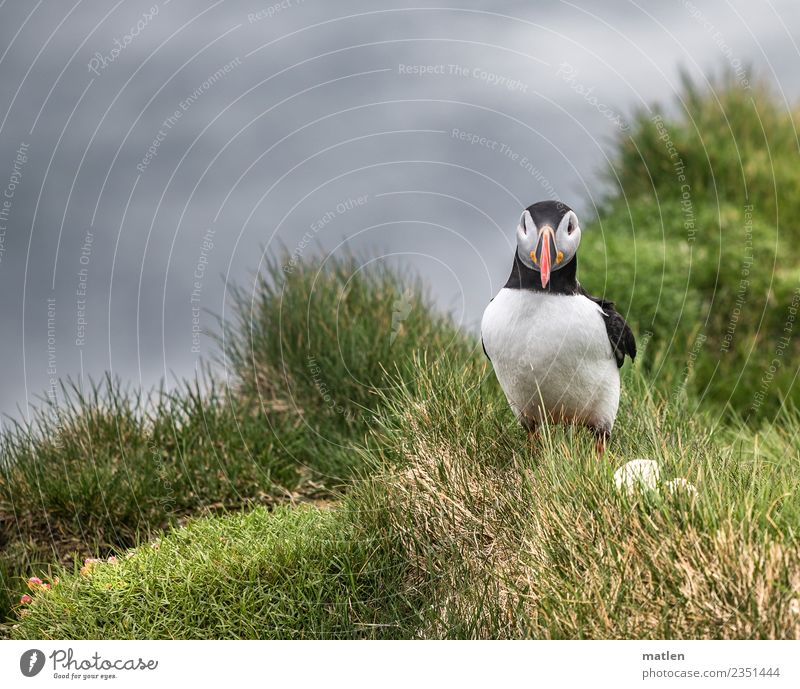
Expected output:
(289, 573)
(509, 542)
(431, 516)
(700, 223)
(458, 530)
(109, 469)
(305, 356)
(323, 338)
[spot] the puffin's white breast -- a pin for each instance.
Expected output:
(552, 356)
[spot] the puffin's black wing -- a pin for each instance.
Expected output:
(484, 350)
(619, 332)
(486, 354)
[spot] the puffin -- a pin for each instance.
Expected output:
(556, 350)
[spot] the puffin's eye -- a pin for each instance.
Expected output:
(570, 228)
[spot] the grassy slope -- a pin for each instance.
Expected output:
(109, 468)
(289, 573)
(459, 530)
(510, 543)
(711, 260)
(451, 526)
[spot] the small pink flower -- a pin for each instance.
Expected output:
(46, 587)
(25, 599)
(34, 581)
(88, 564)
(112, 560)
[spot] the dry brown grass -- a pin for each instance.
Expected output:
(503, 543)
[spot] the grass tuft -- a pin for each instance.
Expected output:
(289, 573)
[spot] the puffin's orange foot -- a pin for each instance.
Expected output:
(533, 439)
(600, 440)
(533, 432)
(600, 445)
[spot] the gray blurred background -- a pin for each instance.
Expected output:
(154, 153)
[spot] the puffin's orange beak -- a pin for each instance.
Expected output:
(545, 254)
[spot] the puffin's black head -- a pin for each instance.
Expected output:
(547, 237)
